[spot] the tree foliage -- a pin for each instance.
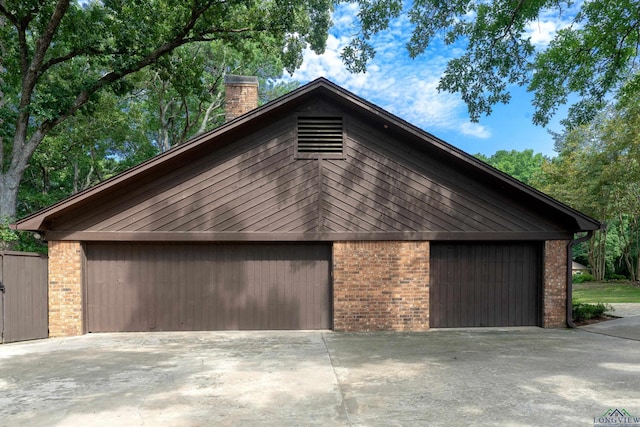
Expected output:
(84, 150)
(59, 57)
(589, 58)
(598, 172)
(123, 132)
(522, 165)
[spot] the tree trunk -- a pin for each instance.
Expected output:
(634, 237)
(76, 177)
(11, 176)
(597, 252)
(9, 182)
(164, 140)
(217, 102)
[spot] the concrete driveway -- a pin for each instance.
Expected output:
(500, 377)
(626, 326)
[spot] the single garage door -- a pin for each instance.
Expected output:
(485, 284)
(192, 286)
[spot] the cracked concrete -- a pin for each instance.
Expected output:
(515, 376)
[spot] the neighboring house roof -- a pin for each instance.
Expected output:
(576, 266)
(94, 214)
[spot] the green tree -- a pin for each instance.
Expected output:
(522, 165)
(120, 132)
(619, 149)
(589, 58)
(598, 172)
(572, 177)
(58, 56)
(183, 94)
(84, 150)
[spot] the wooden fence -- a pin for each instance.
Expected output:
(23, 296)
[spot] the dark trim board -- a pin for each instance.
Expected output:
(197, 236)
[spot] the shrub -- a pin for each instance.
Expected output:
(617, 277)
(8, 237)
(22, 241)
(582, 311)
(582, 277)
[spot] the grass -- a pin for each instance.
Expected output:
(606, 292)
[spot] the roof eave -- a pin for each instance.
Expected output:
(582, 221)
(37, 221)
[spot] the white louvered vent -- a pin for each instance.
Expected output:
(320, 135)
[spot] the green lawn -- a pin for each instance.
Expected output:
(606, 292)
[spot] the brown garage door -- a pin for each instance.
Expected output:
(190, 286)
(485, 284)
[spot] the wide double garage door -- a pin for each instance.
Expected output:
(485, 284)
(194, 286)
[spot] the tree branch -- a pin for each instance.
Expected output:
(507, 29)
(22, 149)
(214, 104)
(114, 76)
(83, 97)
(3, 53)
(7, 14)
(42, 45)
(73, 54)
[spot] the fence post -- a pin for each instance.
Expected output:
(2, 306)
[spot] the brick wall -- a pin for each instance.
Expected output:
(65, 289)
(241, 95)
(381, 286)
(555, 284)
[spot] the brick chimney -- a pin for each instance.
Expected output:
(240, 95)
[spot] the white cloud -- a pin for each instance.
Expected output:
(542, 32)
(344, 17)
(475, 129)
(327, 65)
(418, 101)
(549, 22)
(400, 85)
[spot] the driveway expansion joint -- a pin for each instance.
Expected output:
(343, 405)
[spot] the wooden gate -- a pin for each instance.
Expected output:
(23, 296)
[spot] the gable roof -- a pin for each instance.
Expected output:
(184, 155)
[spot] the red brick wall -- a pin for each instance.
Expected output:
(381, 286)
(65, 289)
(555, 284)
(241, 95)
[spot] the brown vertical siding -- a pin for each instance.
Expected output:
(24, 276)
(485, 284)
(154, 287)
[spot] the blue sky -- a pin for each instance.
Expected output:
(407, 87)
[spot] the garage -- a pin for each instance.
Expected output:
(485, 284)
(205, 286)
(318, 210)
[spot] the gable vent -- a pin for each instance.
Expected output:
(320, 135)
